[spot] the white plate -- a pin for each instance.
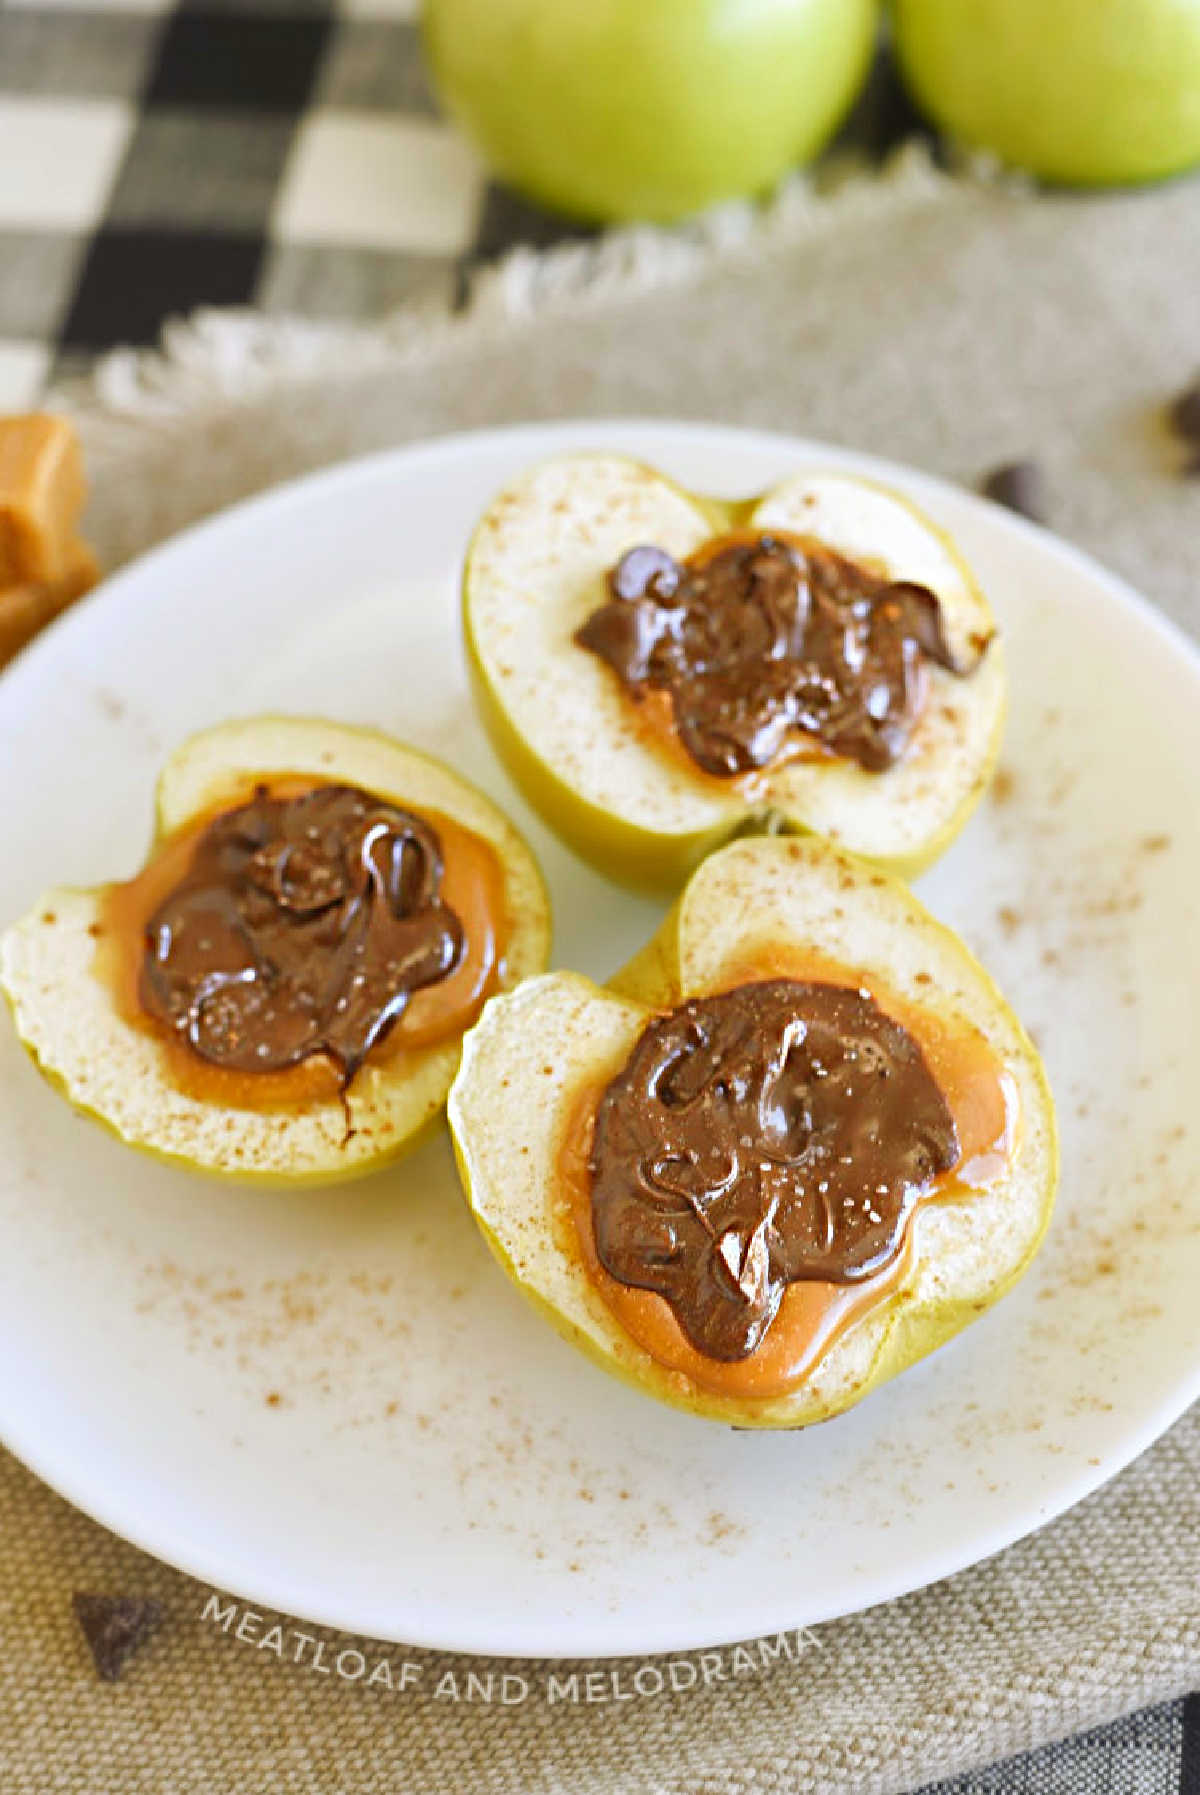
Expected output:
(440, 1468)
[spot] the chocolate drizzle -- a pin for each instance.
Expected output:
(756, 638)
(777, 1132)
(303, 926)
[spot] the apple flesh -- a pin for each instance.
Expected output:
(1087, 92)
(614, 109)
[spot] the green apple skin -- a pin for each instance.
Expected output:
(617, 109)
(1085, 92)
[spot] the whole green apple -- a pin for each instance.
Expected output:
(1082, 91)
(612, 109)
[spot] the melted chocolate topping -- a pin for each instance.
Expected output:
(765, 636)
(302, 927)
(777, 1132)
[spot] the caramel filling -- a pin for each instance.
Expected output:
(812, 1314)
(471, 890)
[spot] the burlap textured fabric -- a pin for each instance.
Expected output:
(949, 325)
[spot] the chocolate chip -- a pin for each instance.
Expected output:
(1021, 486)
(1185, 414)
(115, 1627)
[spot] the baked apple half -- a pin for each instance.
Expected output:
(281, 993)
(662, 672)
(796, 1145)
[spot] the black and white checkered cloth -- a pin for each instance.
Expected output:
(288, 153)
(156, 156)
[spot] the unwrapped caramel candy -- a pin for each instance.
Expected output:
(44, 565)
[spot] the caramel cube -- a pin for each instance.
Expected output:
(25, 609)
(42, 491)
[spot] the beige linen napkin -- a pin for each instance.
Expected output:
(946, 324)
